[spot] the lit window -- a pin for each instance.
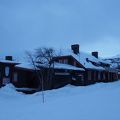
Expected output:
(7, 71)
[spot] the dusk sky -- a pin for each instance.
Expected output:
(29, 24)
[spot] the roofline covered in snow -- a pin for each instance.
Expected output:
(54, 66)
(9, 62)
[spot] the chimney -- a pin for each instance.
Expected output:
(75, 48)
(8, 58)
(95, 54)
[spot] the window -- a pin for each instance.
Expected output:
(0, 73)
(89, 75)
(103, 76)
(81, 77)
(7, 71)
(94, 75)
(117, 75)
(74, 63)
(60, 61)
(65, 61)
(15, 77)
(108, 76)
(99, 75)
(61, 73)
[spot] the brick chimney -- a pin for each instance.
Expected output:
(8, 58)
(75, 48)
(95, 54)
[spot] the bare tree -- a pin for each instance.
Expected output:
(42, 61)
(38, 72)
(45, 56)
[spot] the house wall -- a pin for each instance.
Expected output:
(64, 77)
(77, 78)
(94, 76)
(28, 78)
(118, 76)
(61, 78)
(25, 78)
(104, 76)
(3, 77)
(91, 76)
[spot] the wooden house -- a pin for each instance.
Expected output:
(96, 70)
(27, 77)
(70, 67)
(7, 71)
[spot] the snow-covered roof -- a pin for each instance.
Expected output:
(56, 65)
(83, 57)
(8, 62)
(66, 66)
(25, 66)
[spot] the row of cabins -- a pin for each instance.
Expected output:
(70, 67)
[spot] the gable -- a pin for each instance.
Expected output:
(70, 60)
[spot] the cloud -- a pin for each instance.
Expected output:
(27, 24)
(107, 46)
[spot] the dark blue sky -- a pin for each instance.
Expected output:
(28, 24)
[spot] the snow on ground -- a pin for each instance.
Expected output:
(96, 102)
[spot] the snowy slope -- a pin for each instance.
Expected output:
(95, 102)
(117, 56)
(115, 61)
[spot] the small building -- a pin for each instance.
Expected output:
(7, 71)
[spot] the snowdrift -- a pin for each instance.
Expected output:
(96, 102)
